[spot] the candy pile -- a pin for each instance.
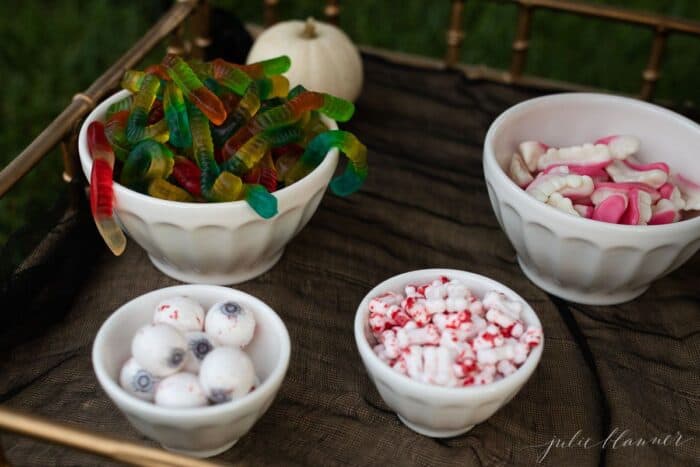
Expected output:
(603, 181)
(440, 333)
(188, 359)
(216, 131)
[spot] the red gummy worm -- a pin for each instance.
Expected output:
(101, 182)
(188, 175)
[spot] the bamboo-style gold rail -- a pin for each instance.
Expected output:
(455, 34)
(270, 12)
(662, 25)
(332, 11)
(83, 102)
(124, 451)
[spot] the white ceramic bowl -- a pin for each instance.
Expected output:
(201, 431)
(215, 243)
(437, 411)
(580, 259)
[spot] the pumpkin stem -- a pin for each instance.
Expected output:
(309, 31)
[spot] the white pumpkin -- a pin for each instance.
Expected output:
(323, 57)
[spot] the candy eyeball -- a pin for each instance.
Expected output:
(175, 363)
(199, 344)
(160, 349)
(137, 381)
(180, 390)
(229, 323)
(182, 313)
(226, 373)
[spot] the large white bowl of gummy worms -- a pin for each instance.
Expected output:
(192, 366)
(445, 348)
(217, 169)
(598, 194)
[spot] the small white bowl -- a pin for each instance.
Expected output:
(214, 243)
(202, 431)
(436, 411)
(579, 259)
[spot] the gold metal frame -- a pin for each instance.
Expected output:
(84, 440)
(661, 25)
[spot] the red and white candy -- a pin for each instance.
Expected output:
(230, 323)
(448, 337)
(180, 390)
(182, 313)
(602, 181)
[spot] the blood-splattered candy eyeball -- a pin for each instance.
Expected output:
(226, 373)
(199, 344)
(137, 381)
(180, 390)
(182, 313)
(229, 323)
(160, 349)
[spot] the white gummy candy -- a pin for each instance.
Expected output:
(566, 185)
(584, 154)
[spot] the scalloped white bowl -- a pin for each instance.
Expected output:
(215, 243)
(436, 411)
(579, 259)
(200, 431)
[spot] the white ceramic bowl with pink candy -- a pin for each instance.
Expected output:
(577, 258)
(196, 431)
(441, 378)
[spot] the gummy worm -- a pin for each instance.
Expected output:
(149, 159)
(248, 155)
(194, 90)
(176, 116)
(356, 152)
(143, 100)
(102, 189)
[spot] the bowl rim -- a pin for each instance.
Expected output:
(136, 405)
(290, 192)
(544, 209)
(396, 379)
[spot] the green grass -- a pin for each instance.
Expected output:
(51, 52)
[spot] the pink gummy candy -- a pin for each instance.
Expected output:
(611, 209)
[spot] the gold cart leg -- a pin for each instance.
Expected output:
(270, 15)
(200, 30)
(651, 74)
(178, 44)
(521, 42)
(332, 11)
(455, 35)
